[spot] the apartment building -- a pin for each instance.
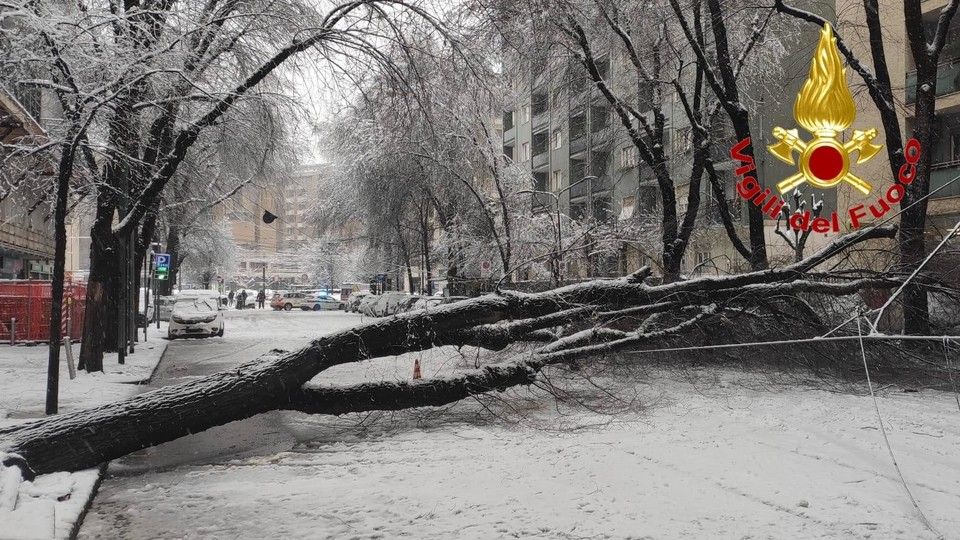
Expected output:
(299, 195)
(26, 235)
(558, 126)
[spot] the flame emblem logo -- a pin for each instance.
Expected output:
(825, 108)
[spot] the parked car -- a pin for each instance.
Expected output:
(196, 316)
(320, 302)
(365, 307)
(353, 301)
(288, 300)
(425, 302)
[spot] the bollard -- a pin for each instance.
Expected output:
(13, 331)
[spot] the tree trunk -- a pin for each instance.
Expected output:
(100, 310)
(173, 249)
(59, 271)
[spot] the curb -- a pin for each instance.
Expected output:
(156, 366)
(75, 530)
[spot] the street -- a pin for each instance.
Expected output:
(248, 334)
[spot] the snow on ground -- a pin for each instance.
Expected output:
(710, 453)
(23, 377)
(49, 506)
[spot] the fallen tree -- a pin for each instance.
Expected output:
(86, 438)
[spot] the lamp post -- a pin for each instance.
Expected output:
(558, 247)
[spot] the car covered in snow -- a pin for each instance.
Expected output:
(365, 307)
(353, 301)
(196, 316)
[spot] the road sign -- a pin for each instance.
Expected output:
(161, 265)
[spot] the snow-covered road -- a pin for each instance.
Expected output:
(712, 454)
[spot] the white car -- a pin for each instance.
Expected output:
(196, 316)
(319, 302)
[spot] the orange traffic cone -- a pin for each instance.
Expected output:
(416, 368)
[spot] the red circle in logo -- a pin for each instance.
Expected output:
(826, 162)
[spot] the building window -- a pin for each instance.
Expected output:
(955, 147)
(540, 181)
(556, 181)
(524, 114)
(508, 152)
(557, 139)
(629, 157)
(601, 209)
(627, 206)
(525, 151)
(541, 143)
(540, 102)
(507, 119)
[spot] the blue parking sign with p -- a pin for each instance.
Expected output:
(161, 262)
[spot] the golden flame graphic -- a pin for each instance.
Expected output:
(824, 105)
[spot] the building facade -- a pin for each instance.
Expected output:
(26, 232)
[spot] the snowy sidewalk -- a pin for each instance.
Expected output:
(49, 506)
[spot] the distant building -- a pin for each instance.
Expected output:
(299, 197)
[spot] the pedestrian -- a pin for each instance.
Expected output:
(261, 298)
(241, 298)
(230, 297)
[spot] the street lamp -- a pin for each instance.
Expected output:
(558, 249)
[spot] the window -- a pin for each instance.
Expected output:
(525, 151)
(629, 157)
(508, 152)
(601, 209)
(557, 139)
(599, 117)
(627, 206)
(540, 102)
(507, 119)
(540, 181)
(541, 143)
(647, 199)
(556, 180)
(524, 114)
(955, 147)
(578, 125)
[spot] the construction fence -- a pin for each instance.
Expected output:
(25, 310)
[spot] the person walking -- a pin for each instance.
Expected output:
(261, 298)
(241, 299)
(230, 297)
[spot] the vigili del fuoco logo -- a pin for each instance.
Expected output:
(824, 108)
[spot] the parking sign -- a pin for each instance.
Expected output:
(161, 265)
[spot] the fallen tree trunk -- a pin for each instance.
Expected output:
(84, 439)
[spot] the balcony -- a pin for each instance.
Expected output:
(510, 135)
(948, 80)
(540, 120)
(540, 160)
(940, 175)
(580, 190)
(601, 183)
